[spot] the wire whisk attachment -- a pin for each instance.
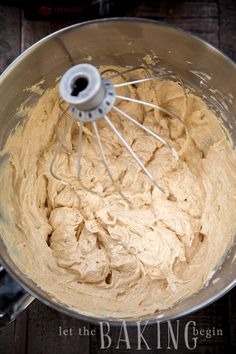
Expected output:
(92, 97)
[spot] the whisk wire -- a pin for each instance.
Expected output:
(79, 149)
(157, 137)
(64, 115)
(97, 101)
(135, 82)
(155, 106)
(103, 158)
(57, 150)
(131, 152)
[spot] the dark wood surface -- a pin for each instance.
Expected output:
(36, 331)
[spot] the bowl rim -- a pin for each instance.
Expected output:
(70, 311)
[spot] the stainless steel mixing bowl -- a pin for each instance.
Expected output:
(123, 42)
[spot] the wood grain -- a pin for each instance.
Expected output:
(20, 333)
(197, 17)
(44, 332)
(33, 31)
(227, 25)
(10, 25)
(7, 339)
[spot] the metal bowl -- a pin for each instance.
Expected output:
(123, 42)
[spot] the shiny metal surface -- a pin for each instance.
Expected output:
(124, 42)
(91, 97)
(13, 298)
(86, 92)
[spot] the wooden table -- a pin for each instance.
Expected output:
(37, 330)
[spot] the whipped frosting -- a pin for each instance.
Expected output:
(96, 251)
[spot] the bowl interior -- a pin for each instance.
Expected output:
(123, 42)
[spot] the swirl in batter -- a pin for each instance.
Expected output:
(97, 252)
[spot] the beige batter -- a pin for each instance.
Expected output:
(95, 251)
